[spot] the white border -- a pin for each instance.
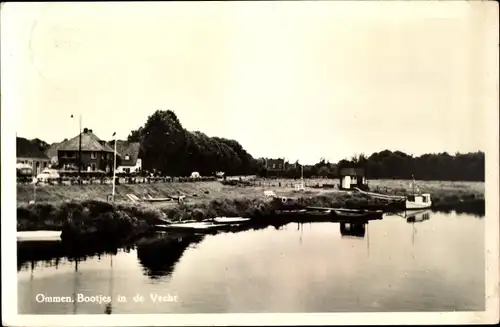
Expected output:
(10, 103)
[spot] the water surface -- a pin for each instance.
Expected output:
(431, 262)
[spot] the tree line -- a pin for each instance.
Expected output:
(167, 148)
(397, 165)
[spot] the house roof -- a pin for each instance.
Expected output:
(275, 161)
(51, 151)
(352, 172)
(90, 142)
(124, 148)
(26, 149)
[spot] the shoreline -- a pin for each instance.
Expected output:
(122, 220)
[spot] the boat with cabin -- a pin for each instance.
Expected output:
(417, 200)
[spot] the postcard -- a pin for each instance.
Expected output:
(250, 163)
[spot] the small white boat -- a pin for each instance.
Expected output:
(150, 199)
(418, 201)
(198, 226)
(39, 235)
(230, 220)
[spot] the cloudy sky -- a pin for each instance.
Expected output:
(301, 80)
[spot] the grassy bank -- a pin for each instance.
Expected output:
(81, 210)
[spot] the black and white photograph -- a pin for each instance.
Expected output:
(250, 163)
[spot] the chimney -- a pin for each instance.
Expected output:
(90, 131)
(85, 130)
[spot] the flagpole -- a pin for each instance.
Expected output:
(114, 169)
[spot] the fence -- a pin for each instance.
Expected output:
(119, 180)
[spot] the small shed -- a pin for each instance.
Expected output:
(352, 177)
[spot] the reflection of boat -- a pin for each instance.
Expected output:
(352, 230)
(419, 216)
(39, 235)
(230, 220)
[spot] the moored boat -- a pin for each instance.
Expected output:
(358, 214)
(418, 201)
(230, 220)
(39, 235)
(196, 226)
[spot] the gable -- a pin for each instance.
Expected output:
(124, 149)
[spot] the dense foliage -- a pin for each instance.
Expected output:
(172, 150)
(399, 165)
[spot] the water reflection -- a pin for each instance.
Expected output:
(50, 253)
(418, 216)
(353, 229)
(158, 255)
(285, 267)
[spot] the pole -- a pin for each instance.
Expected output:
(80, 146)
(114, 171)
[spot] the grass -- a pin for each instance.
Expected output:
(82, 210)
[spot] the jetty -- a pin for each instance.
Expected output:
(39, 235)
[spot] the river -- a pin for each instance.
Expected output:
(431, 262)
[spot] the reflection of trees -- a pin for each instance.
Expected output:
(51, 252)
(158, 256)
(353, 229)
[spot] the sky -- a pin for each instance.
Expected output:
(299, 80)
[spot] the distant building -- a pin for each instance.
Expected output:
(51, 152)
(275, 164)
(352, 177)
(128, 160)
(96, 154)
(29, 157)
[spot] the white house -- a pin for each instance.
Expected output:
(128, 160)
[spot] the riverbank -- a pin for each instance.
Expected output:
(127, 219)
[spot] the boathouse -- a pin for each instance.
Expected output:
(353, 177)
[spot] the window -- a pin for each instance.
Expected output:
(93, 167)
(127, 157)
(109, 156)
(274, 165)
(127, 170)
(93, 155)
(107, 168)
(411, 198)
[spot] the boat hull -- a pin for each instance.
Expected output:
(226, 220)
(409, 205)
(36, 236)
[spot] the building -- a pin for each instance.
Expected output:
(30, 157)
(96, 155)
(127, 159)
(353, 177)
(275, 164)
(51, 152)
